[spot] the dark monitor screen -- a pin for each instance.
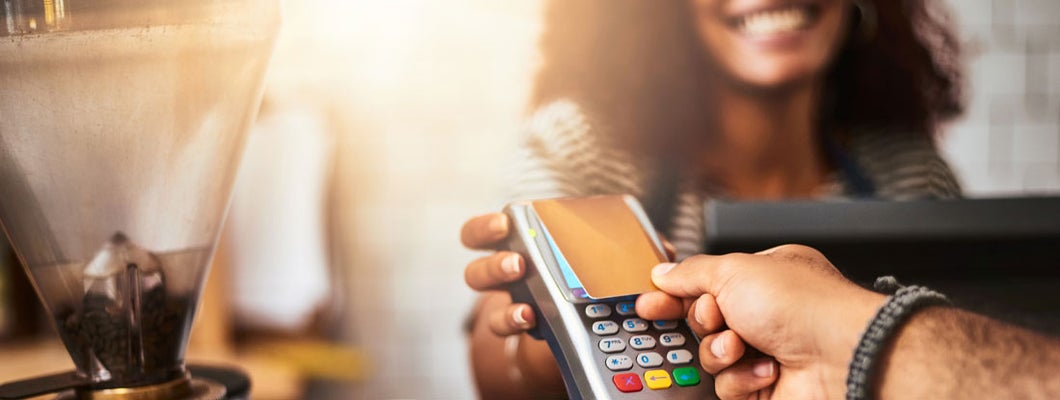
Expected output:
(1000, 257)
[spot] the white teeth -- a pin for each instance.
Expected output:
(775, 21)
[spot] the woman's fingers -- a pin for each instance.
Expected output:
(485, 231)
(515, 318)
(720, 351)
(494, 270)
(746, 379)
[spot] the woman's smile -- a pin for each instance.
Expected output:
(771, 43)
(774, 21)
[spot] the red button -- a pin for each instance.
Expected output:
(628, 382)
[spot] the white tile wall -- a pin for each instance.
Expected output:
(1009, 141)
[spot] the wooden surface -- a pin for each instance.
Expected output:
(28, 359)
(270, 379)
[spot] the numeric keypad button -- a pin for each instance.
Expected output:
(642, 342)
(635, 325)
(604, 328)
(665, 325)
(679, 356)
(612, 345)
(597, 311)
(672, 339)
(619, 362)
(626, 309)
(648, 360)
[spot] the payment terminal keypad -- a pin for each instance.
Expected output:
(639, 354)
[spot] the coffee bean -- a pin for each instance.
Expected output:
(97, 329)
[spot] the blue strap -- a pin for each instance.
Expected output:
(858, 184)
(663, 194)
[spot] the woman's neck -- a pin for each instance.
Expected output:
(766, 145)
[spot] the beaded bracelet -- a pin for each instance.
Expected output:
(898, 308)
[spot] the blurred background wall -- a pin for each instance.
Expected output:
(425, 98)
(1009, 139)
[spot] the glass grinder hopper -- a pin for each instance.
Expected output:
(122, 123)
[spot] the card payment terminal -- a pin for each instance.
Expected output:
(588, 258)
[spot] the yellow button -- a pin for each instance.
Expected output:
(657, 379)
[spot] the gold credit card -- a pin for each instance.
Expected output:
(608, 248)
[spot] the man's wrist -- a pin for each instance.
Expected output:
(849, 320)
(873, 345)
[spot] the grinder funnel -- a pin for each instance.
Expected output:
(122, 124)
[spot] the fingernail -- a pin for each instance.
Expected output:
(662, 269)
(717, 347)
(518, 316)
(510, 265)
(499, 224)
(698, 313)
(763, 369)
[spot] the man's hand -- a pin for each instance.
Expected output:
(782, 323)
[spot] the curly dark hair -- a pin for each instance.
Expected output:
(638, 67)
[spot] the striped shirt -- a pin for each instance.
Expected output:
(564, 154)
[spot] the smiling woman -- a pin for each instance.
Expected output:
(650, 68)
(769, 45)
(681, 101)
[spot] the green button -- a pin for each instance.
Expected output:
(687, 376)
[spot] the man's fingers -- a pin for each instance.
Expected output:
(485, 231)
(746, 379)
(515, 318)
(704, 316)
(720, 351)
(493, 270)
(697, 275)
(660, 306)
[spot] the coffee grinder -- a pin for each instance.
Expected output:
(122, 124)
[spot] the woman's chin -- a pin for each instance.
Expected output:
(773, 80)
